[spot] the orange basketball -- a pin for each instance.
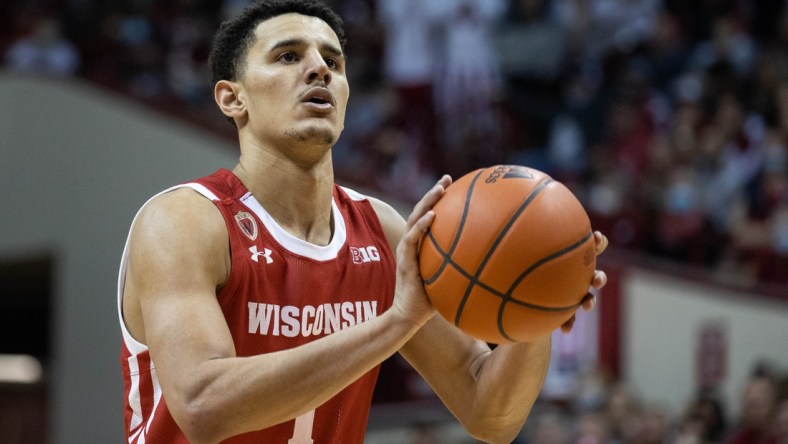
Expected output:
(509, 256)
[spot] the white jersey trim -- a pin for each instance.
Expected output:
(354, 195)
(294, 244)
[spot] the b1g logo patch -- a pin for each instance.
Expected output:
(247, 224)
(362, 255)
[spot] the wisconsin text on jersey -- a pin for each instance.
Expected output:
(309, 320)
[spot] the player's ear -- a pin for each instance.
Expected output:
(227, 96)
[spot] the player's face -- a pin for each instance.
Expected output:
(294, 80)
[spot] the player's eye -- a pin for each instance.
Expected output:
(331, 63)
(288, 57)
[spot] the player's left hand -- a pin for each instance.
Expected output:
(599, 281)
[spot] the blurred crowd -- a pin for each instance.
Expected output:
(603, 412)
(668, 118)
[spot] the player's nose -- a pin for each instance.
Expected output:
(316, 68)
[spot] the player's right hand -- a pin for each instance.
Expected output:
(410, 299)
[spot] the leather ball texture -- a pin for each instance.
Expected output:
(509, 256)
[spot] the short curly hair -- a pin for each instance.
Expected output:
(236, 36)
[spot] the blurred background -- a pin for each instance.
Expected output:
(667, 118)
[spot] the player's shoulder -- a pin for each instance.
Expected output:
(177, 202)
(387, 214)
(179, 212)
(384, 210)
(389, 217)
(179, 235)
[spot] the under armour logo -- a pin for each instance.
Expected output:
(266, 253)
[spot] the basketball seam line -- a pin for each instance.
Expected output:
(541, 186)
(457, 234)
(508, 296)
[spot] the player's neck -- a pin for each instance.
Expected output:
(298, 197)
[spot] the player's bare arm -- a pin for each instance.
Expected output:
(490, 392)
(178, 258)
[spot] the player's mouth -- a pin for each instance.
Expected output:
(318, 98)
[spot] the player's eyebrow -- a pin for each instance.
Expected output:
(332, 49)
(287, 43)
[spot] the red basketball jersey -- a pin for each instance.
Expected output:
(282, 292)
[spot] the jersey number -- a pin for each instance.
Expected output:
(302, 430)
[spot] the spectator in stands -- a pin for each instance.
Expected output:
(630, 126)
(781, 421)
(704, 421)
(681, 224)
(666, 52)
(410, 62)
(532, 50)
(618, 161)
(44, 51)
(728, 44)
(140, 51)
(758, 407)
(601, 25)
(592, 428)
(733, 154)
(654, 427)
(549, 427)
(758, 220)
(470, 84)
(759, 226)
(189, 40)
(231, 8)
(623, 412)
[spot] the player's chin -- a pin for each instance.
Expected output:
(316, 133)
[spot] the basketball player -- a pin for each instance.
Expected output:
(257, 304)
